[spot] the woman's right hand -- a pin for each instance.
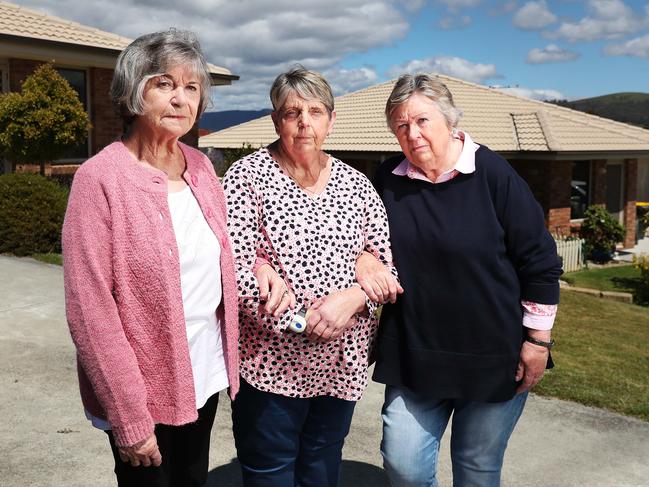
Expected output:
(145, 453)
(376, 280)
(275, 297)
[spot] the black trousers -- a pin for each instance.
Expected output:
(185, 454)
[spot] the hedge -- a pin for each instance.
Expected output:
(32, 209)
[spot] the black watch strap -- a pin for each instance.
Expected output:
(541, 343)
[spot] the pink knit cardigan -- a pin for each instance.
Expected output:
(122, 291)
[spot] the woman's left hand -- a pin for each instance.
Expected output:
(330, 316)
(531, 365)
(376, 279)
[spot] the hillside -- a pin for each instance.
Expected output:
(630, 108)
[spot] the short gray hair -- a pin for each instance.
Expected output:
(429, 86)
(305, 83)
(152, 55)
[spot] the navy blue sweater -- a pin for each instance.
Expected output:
(467, 251)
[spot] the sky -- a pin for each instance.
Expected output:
(541, 49)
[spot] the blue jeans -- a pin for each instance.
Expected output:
(412, 431)
(287, 441)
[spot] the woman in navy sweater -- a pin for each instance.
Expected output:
(471, 333)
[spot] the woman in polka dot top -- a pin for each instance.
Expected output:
(298, 219)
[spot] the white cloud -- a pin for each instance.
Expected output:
(459, 5)
(450, 66)
(638, 47)
(550, 54)
(345, 80)
(503, 8)
(607, 19)
(255, 40)
(534, 94)
(534, 16)
(448, 22)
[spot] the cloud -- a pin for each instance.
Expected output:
(447, 22)
(534, 94)
(638, 47)
(534, 16)
(459, 5)
(450, 66)
(550, 54)
(255, 43)
(345, 80)
(607, 19)
(503, 8)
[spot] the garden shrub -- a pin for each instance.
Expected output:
(600, 232)
(642, 293)
(31, 214)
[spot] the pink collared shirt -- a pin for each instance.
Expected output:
(535, 315)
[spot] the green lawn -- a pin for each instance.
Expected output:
(602, 355)
(49, 258)
(625, 278)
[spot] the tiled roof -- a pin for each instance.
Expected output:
(24, 22)
(502, 121)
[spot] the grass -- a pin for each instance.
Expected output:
(601, 357)
(49, 258)
(625, 278)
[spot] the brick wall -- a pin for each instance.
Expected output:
(19, 69)
(550, 184)
(630, 194)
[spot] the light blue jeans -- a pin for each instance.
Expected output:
(412, 431)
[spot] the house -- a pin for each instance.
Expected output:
(569, 158)
(84, 56)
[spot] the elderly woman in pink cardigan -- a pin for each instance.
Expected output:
(150, 290)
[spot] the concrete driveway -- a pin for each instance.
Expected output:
(46, 441)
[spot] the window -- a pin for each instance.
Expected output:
(78, 80)
(579, 189)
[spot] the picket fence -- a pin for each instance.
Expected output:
(571, 252)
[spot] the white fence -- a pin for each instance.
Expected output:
(571, 251)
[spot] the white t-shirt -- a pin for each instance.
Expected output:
(200, 279)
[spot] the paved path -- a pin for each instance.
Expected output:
(46, 441)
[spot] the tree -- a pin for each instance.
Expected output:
(40, 123)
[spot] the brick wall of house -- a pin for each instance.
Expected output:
(630, 192)
(106, 124)
(550, 184)
(19, 69)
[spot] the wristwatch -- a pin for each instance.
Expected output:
(541, 343)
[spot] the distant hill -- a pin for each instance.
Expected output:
(214, 121)
(630, 108)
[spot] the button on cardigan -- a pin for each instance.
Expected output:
(123, 294)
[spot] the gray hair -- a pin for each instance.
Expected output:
(429, 86)
(305, 83)
(152, 55)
